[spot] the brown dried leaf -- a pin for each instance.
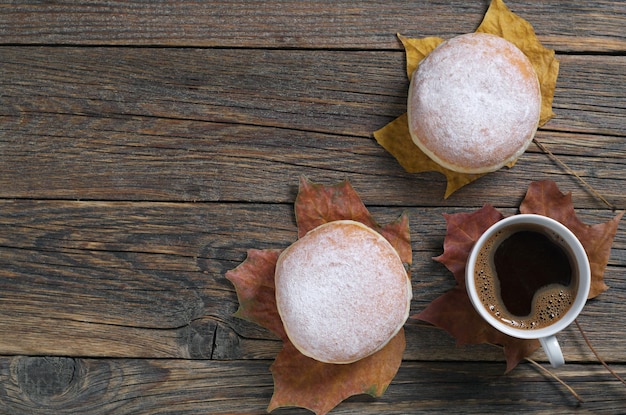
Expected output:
(462, 231)
(317, 204)
(454, 313)
(453, 310)
(304, 382)
(500, 21)
(299, 380)
(254, 282)
(399, 236)
(545, 198)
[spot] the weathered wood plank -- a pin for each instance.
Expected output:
(112, 290)
(41, 385)
(147, 280)
(293, 24)
(243, 340)
(191, 161)
(338, 92)
(207, 126)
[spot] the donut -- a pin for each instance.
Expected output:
(474, 103)
(342, 292)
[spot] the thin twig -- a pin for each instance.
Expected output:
(552, 375)
(555, 377)
(573, 173)
(611, 371)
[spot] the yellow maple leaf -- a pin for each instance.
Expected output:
(396, 139)
(500, 21)
(416, 50)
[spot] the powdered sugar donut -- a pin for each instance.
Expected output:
(474, 103)
(342, 292)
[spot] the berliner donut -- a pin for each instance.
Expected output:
(342, 292)
(474, 103)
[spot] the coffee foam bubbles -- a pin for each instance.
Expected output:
(549, 304)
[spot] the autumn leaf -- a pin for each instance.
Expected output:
(462, 231)
(396, 139)
(299, 380)
(453, 310)
(304, 382)
(416, 50)
(254, 282)
(317, 204)
(500, 21)
(544, 198)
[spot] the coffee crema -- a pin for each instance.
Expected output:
(526, 277)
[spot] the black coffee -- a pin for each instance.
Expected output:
(526, 277)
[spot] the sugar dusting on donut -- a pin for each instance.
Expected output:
(474, 103)
(342, 292)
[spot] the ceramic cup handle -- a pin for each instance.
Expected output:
(553, 350)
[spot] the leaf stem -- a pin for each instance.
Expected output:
(555, 377)
(611, 371)
(573, 173)
(551, 374)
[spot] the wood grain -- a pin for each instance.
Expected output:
(39, 385)
(132, 279)
(146, 146)
(292, 24)
(349, 93)
(203, 125)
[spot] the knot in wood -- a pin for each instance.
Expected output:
(46, 379)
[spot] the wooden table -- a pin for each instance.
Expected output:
(145, 146)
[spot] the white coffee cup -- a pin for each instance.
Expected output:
(547, 333)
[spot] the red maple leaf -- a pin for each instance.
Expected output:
(307, 383)
(453, 310)
(545, 198)
(317, 204)
(254, 283)
(299, 380)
